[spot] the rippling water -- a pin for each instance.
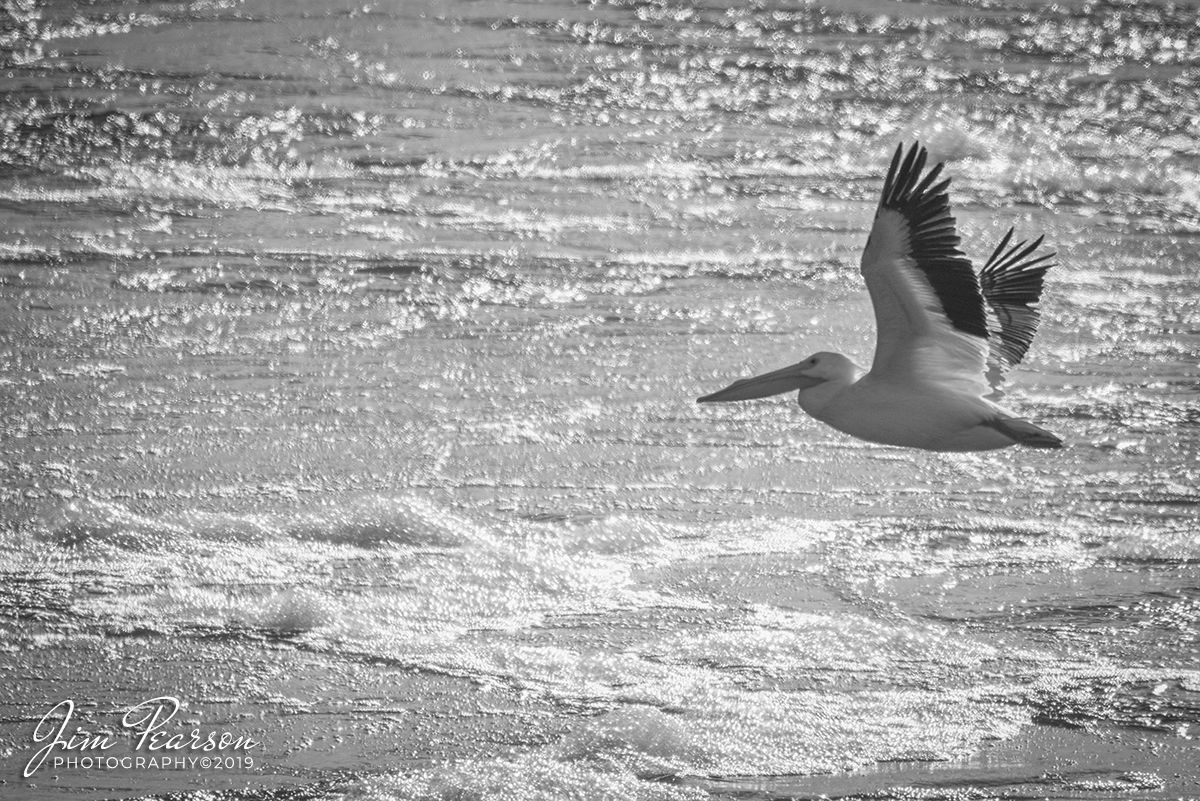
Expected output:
(349, 363)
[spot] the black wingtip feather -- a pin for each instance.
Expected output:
(1012, 281)
(1002, 245)
(933, 237)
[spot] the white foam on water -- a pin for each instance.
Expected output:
(532, 777)
(728, 731)
(431, 572)
(618, 754)
(625, 616)
(428, 569)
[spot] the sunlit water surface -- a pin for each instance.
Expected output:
(349, 363)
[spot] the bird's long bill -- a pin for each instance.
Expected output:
(787, 379)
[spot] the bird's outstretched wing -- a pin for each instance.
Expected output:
(931, 327)
(1011, 282)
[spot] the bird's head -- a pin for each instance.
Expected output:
(812, 372)
(828, 367)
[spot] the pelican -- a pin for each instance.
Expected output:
(945, 336)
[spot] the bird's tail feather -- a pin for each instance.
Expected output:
(1026, 433)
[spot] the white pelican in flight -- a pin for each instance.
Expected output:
(944, 335)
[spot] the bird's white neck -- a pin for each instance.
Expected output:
(815, 400)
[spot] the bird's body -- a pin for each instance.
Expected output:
(938, 355)
(908, 414)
